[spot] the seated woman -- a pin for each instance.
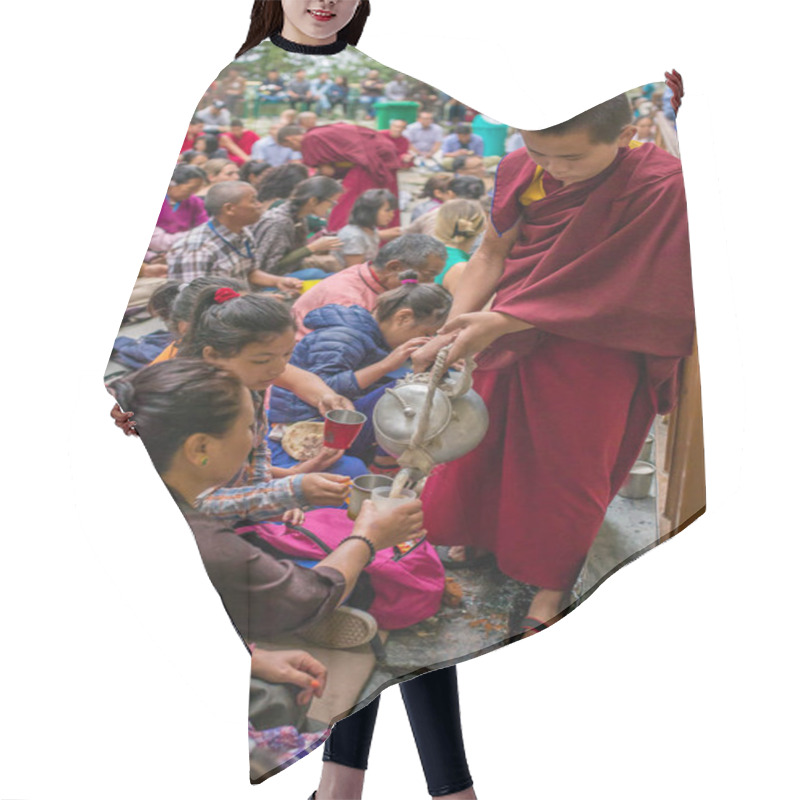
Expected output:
(218, 170)
(192, 158)
(435, 192)
(278, 183)
(246, 334)
(177, 308)
(197, 422)
(281, 235)
(356, 353)
(366, 230)
(209, 144)
(181, 210)
(175, 305)
(470, 165)
(458, 224)
(253, 172)
(466, 187)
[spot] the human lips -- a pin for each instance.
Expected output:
(322, 16)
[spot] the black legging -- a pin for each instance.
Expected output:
(432, 707)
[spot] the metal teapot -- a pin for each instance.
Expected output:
(431, 418)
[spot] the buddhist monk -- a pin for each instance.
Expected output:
(587, 257)
(360, 157)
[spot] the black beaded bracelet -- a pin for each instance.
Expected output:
(368, 543)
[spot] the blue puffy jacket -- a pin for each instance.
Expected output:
(343, 340)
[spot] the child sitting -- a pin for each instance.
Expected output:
(366, 230)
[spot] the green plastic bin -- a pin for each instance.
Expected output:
(493, 134)
(400, 109)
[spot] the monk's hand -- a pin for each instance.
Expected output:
(294, 516)
(324, 489)
(474, 332)
(423, 357)
(330, 401)
(290, 666)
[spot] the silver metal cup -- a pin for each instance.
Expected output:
(361, 490)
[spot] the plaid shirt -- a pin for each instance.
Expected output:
(207, 250)
(276, 235)
(253, 494)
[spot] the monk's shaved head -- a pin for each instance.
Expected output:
(603, 122)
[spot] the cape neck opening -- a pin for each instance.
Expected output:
(309, 49)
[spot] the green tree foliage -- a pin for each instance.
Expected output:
(353, 64)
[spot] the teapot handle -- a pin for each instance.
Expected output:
(407, 409)
(464, 381)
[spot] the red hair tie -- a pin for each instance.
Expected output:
(223, 295)
(410, 280)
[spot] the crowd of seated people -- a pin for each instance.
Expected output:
(290, 287)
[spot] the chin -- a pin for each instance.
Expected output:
(320, 29)
(321, 35)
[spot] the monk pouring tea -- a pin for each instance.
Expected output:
(588, 260)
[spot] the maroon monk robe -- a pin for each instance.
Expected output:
(373, 158)
(601, 269)
(400, 143)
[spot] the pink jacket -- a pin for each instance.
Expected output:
(354, 286)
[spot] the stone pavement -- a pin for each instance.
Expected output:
(480, 621)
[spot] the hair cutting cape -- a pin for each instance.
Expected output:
(576, 405)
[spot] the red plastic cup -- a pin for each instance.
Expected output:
(342, 427)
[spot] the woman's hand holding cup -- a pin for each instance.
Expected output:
(392, 526)
(324, 489)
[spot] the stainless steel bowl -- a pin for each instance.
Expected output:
(639, 481)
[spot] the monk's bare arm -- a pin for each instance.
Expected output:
(483, 272)
(475, 288)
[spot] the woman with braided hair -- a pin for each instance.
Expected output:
(459, 223)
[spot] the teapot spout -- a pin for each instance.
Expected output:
(416, 459)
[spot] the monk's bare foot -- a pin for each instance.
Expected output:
(548, 604)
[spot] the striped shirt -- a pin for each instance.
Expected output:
(253, 494)
(276, 235)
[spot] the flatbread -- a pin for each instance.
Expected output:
(304, 440)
